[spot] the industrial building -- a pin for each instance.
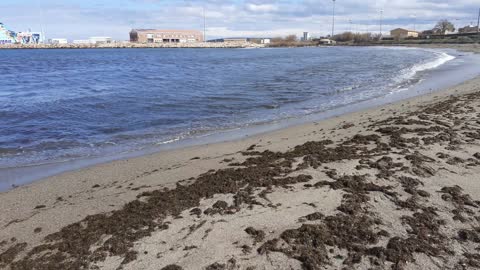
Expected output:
(10, 37)
(468, 29)
(243, 40)
(100, 40)
(81, 41)
(6, 36)
(165, 36)
(401, 33)
(29, 37)
(58, 41)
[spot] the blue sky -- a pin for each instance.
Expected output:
(80, 19)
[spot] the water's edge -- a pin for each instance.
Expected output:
(436, 78)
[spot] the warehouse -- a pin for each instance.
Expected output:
(165, 36)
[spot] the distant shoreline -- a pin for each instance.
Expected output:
(214, 45)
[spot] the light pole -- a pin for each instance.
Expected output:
(204, 26)
(333, 20)
(414, 22)
(381, 22)
(478, 25)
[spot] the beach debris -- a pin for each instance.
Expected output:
(257, 235)
(11, 253)
(172, 267)
(393, 149)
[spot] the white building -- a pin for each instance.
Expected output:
(82, 41)
(58, 41)
(100, 40)
(326, 41)
(265, 41)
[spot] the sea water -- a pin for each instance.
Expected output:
(60, 105)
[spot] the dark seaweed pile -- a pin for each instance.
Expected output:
(355, 228)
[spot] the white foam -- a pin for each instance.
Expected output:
(410, 73)
(169, 141)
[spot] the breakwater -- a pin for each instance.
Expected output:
(134, 45)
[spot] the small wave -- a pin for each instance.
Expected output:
(169, 141)
(341, 90)
(409, 73)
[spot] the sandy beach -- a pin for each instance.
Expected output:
(393, 187)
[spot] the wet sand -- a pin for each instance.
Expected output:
(394, 187)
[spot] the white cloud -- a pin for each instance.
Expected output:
(77, 19)
(261, 7)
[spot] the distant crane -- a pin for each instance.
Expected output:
(42, 22)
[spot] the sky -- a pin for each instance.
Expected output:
(80, 19)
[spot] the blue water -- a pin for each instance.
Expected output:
(59, 105)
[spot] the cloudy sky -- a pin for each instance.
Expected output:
(80, 19)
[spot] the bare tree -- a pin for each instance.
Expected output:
(443, 26)
(291, 38)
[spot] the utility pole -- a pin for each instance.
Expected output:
(478, 25)
(333, 21)
(415, 22)
(42, 23)
(381, 22)
(204, 26)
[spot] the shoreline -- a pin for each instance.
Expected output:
(13, 177)
(380, 171)
(127, 45)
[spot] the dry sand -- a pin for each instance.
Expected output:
(395, 187)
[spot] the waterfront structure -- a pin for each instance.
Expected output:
(58, 41)
(100, 40)
(29, 37)
(327, 41)
(243, 40)
(165, 36)
(265, 41)
(81, 41)
(468, 29)
(7, 36)
(10, 37)
(401, 33)
(237, 40)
